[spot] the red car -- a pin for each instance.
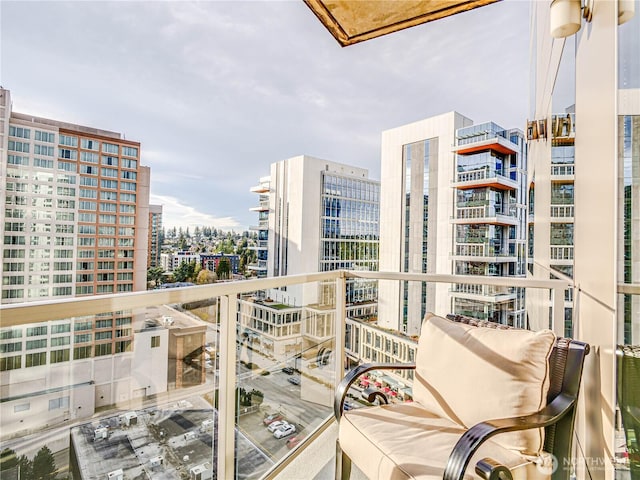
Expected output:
(272, 418)
(293, 441)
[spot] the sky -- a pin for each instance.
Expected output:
(216, 91)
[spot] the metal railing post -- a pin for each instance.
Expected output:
(340, 325)
(227, 387)
(557, 323)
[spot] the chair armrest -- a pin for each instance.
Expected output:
(469, 443)
(352, 376)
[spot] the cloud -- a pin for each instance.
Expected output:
(216, 91)
(177, 214)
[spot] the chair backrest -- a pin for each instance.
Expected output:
(565, 367)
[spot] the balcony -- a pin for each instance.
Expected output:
(562, 253)
(167, 404)
(562, 213)
(488, 141)
(482, 252)
(489, 214)
(484, 176)
(562, 172)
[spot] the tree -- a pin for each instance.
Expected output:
(155, 274)
(205, 276)
(26, 468)
(185, 271)
(8, 459)
(223, 269)
(44, 465)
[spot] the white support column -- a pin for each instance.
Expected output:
(227, 387)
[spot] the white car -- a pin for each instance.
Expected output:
(285, 431)
(273, 426)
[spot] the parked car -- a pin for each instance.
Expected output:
(273, 426)
(274, 417)
(347, 405)
(285, 431)
(294, 380)
(293, 441)
(288, 370)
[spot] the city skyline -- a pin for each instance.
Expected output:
(205, 86)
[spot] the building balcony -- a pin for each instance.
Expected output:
(489, 214)
(488, 141)
(562, 213)
(484, 293)
(562, 172)
(482, 252)
(168, 404)
(561, 253)
(260, 208)
(484, 176)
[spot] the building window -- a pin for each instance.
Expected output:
(10, 363)
(109, 148)
(48, 137)
(104, 323)
(36, 331)
(103, 349)
(124, 346)
(81, 352)
(88, 144)
(67, 140)
(22, 407)
(64, 328)
(35, 359)
(20, 132)
(129, 151)
(35, 344)
(58, 356)
(60, 341)
(10, 347)
(58, 403)
(155, 342)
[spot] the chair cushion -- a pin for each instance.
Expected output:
(405, 441)
(468, 374)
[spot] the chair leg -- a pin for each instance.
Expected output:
(343, 464)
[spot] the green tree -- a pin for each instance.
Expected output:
(8, 459)
(26, 468)
(155, 274)
(185, 271)
(223, 269)
(44, 465)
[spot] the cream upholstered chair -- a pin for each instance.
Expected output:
(502, 399)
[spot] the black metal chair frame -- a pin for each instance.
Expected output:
(558, 417)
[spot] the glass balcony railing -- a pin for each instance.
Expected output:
(190, 381)
(626, 457)
(562, 211)
(486, 211)
(562, 170)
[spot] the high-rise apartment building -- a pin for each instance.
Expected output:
(155, 235)
(452, 201)
(322, 216)
(314, 216)
(74, 212)
(489, 221)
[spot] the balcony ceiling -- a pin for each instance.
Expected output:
(352, 21)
